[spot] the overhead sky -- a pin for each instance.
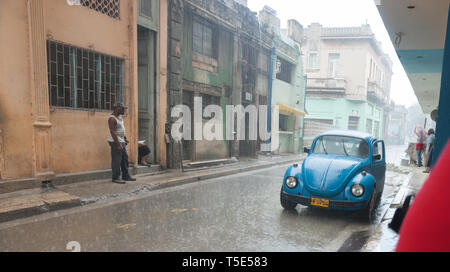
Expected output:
(344, 13)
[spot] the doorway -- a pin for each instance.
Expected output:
(147, 95)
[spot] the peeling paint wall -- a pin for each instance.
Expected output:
(232, 74)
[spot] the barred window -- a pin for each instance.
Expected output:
(108, 7)
(284, 70)
(83, 79)
(283, 123)
(204, 41)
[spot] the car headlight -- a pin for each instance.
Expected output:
(357, 190)
(291, 182)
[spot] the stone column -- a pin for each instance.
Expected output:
(237, 88)
(175, 74)
(163, 45)
(42, 146)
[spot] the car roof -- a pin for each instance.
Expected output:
(349, 133)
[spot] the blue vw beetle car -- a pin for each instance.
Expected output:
(344, 170)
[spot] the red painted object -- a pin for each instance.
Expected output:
(426, 227)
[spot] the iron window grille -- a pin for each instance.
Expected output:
(107, 7)
(83, 79)
(204, 38)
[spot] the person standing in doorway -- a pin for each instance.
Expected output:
(118, 143)
(420, 144)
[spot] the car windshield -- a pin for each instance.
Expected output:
(342, 145)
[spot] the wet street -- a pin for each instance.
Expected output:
(240, 212)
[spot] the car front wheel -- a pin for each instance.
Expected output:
(369, 212)
(286, 203)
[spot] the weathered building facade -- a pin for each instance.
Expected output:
(218, 53)
(64, 65)
(349, 80)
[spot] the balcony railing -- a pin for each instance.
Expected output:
(376, 94)
(346, 31)
(333, 85)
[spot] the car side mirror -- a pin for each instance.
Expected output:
(376, 157)
(306, 150)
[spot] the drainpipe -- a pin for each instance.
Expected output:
(304, 109)
(269, 106)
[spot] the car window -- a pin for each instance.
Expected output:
(342, 145)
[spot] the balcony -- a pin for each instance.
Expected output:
(347, 31)
(326, 85)
(376, 94)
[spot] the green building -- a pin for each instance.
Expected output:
(287, 84)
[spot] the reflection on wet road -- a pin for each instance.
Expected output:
(236, 213)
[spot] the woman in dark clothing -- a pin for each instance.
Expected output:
(143, 152)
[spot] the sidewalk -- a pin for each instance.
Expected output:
(383, 238)
(28, 202)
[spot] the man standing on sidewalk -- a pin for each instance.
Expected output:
(118, 142)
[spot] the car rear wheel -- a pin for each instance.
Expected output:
(286, 203)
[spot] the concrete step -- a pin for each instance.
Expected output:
(208, 163)
(140, 169)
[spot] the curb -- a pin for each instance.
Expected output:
(183, 181)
